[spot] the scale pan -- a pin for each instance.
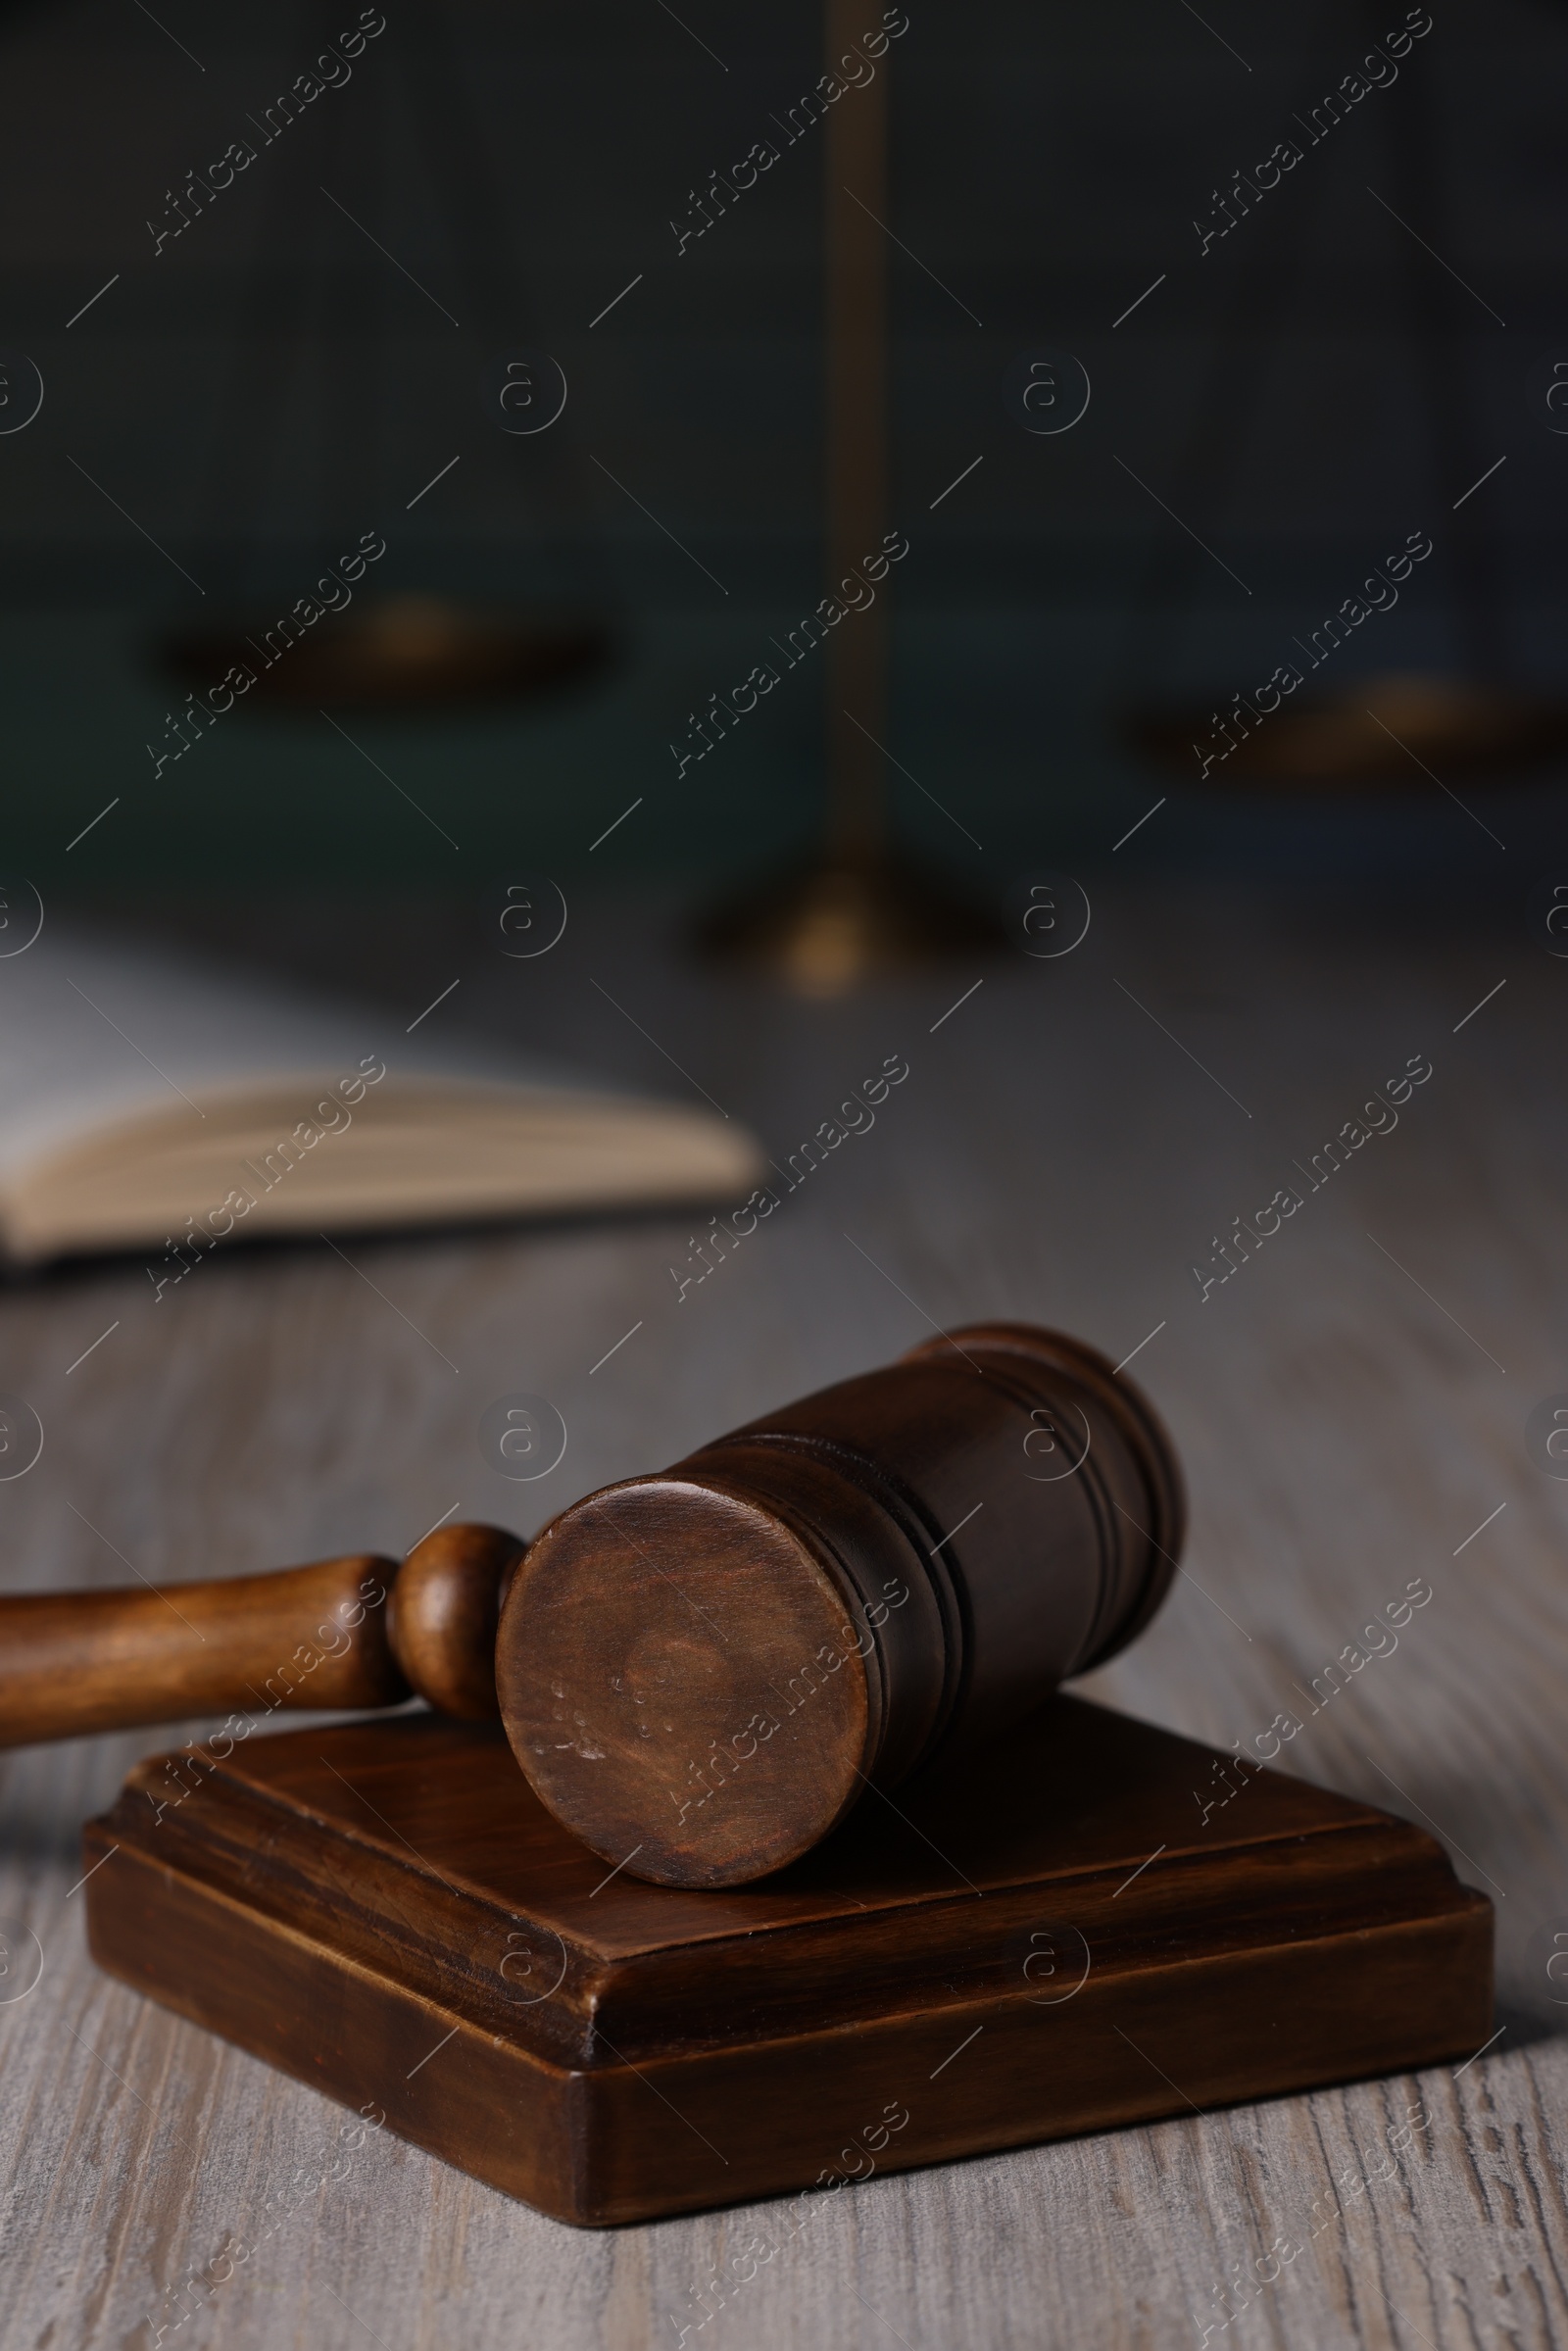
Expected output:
(1381, 733)
(400, 652)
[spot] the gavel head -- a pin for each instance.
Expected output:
(701, 1671)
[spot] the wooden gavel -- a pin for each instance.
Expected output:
(702, 1671)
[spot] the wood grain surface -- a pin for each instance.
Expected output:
(1351, 1405)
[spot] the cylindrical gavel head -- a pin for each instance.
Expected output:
(701, 1671)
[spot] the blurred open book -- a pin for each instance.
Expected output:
(151, 1101)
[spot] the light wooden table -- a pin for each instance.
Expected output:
(1351, 1405)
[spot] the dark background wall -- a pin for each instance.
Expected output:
(1283, 393)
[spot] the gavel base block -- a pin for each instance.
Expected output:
(1059, 1941)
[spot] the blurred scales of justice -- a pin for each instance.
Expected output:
(856, 908)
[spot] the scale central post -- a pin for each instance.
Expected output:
(855, 910)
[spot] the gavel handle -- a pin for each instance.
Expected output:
(353, 1632)
(73, 1662)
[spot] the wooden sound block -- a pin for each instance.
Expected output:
(1056, 1942)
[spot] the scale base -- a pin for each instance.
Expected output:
(829, 928)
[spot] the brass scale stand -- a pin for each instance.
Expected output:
(857, 908)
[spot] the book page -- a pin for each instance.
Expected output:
(95, 1031)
